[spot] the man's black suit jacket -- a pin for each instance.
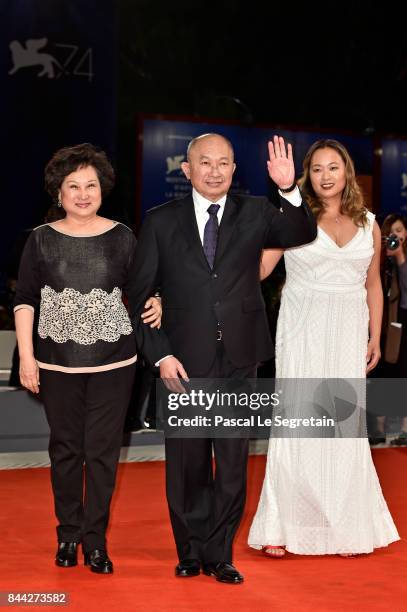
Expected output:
(195, 299)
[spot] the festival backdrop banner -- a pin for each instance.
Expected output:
(164, 149)
(164, 144)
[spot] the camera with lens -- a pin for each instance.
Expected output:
(392, 242)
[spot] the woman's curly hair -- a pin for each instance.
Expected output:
(69, 159)
(352, 198)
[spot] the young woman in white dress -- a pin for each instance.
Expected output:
(322, 495)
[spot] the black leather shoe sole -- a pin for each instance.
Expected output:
(66, 562)
(188, 568)
(106, 569)
(98, 568)
(225, 579)
(187, 572)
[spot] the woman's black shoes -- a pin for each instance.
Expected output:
(67, 554)
(98, 561)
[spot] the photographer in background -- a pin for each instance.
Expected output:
(394, 242)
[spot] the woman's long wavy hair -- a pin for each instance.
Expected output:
(352, 198)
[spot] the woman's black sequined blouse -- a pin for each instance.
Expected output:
(77, 282)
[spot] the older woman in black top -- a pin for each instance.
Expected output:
(75, 269)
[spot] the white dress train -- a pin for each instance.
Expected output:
(322, 495)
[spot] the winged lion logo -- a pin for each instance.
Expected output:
(30, 55)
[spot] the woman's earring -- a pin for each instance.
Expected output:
(59, 203)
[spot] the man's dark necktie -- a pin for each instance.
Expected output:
(210, 236)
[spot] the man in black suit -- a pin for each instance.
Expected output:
(203, 251)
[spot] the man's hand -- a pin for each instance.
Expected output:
(170, 371)
(153, 312)
(281, 165)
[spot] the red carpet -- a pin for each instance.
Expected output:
(140, 543)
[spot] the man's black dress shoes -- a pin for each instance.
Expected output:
(223, 572)
(98, 561)
(67, 554)
(188, 568)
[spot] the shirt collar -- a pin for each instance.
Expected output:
(202, 204)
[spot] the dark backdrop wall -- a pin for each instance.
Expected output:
(339, 67)
(58, 80)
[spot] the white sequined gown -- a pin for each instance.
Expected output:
(322, 495)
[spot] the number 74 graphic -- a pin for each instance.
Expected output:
(76, 62)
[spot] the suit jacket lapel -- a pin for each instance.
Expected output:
(189, 227)
(226, 228)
